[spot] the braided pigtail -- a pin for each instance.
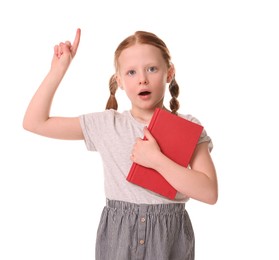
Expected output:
(112, 102)
(174, 91)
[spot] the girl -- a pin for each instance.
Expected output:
(135, 223)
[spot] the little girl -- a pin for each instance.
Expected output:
(135, 223)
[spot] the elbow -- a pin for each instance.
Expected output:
(34, 126)
(25, 125)
(212, 194)
(212, 198)
(212, 201)
(209, 197)
(28, 126)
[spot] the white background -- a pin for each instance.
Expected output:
(226, 57)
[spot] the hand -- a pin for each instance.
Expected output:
(65, 52)
(146, 152)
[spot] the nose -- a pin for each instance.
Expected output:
(143, 79)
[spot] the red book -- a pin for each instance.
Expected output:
(177, 138)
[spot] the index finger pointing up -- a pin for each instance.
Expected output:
(76, 42)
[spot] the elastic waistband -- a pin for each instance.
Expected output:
(171, 208)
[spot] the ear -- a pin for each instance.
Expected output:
(171, 72)
(118, 80)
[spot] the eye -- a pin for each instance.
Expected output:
(131, 72)
(152, 69)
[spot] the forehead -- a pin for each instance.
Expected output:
(140, 53)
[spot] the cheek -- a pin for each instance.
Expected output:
(129, 90)
(129, 85)
(161, 80)
(161, 85)
(165, 78)
(162, 76)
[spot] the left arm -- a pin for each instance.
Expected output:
(199, 182)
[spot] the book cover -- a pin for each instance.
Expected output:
(177, 138)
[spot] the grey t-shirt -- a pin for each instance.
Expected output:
(113, 135)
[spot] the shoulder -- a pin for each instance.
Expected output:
(204, 136)
(107, 117)
(190, 118)
(106, 114)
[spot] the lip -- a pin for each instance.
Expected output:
(144, 92)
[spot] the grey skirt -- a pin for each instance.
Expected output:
(130, 231)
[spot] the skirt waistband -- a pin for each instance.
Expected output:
(171, 208)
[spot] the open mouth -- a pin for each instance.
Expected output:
(144, 93)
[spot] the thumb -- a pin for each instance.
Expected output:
(147, 134)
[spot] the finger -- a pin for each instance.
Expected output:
(65, 47)
(132, 155)
(147, 134)
(68, 44)
(60, 48)
(138, 140)
(56, 50)
(76, 42)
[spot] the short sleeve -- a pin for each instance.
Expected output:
(204, 136)
(94, 126)
(87, 126)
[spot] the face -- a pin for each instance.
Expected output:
(143, 74)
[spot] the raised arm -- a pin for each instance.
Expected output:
(37, 119)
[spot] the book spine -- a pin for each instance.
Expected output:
(153, 119)
(150, 126)
(131, 173)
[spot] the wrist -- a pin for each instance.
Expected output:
(56, 73)
(159, 160)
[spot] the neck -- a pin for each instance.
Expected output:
(143, 118)
(143, 115)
